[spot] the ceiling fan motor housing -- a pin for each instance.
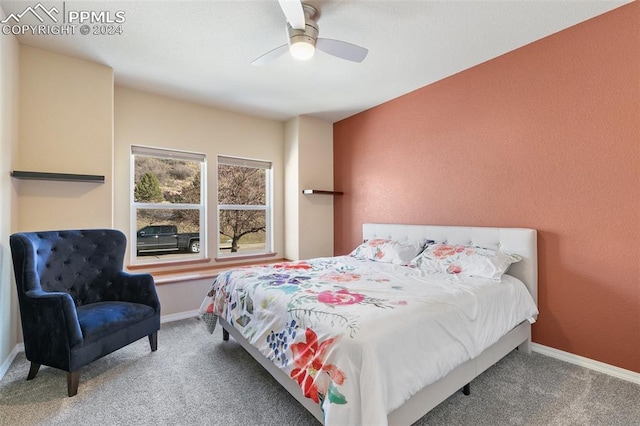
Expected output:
(309, 35)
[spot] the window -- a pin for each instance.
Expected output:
(244, 206)
(168, 212)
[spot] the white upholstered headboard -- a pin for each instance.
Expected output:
(521, 241)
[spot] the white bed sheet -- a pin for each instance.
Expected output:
(422, 328)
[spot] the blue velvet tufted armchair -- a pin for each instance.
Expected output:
(76, 303)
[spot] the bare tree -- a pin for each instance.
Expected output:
(241, 186)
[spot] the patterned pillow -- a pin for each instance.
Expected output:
(387, 251)
(464, 260)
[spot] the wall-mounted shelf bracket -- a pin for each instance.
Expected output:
(68, 177)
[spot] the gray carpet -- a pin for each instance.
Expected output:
(196, 379)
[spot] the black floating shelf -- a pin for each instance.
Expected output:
(318, 191)
(68, 177)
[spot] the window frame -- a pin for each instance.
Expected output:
(267, 208)
(174, 154)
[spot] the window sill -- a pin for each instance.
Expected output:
(232, 258)
(157, 265)
(203, 272)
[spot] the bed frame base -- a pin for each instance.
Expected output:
(423, 401)
(431, 396)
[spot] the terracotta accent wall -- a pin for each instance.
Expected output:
(544, 137)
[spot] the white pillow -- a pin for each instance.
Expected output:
(388, 251)
(464, 260)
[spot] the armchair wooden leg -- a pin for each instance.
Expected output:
(153, 341)
(73, 378)
(33, 371)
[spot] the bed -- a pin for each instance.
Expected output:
(362, 341)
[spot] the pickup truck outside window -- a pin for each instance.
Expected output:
(166, 238)
(168, 205)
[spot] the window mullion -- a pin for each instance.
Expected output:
(167, 206)
(241, 207)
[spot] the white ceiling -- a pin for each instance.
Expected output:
(201, 50)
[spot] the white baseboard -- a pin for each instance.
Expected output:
(12, 355)
(591, 364)
(179, 316)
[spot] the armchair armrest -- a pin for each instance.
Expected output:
(50, 319)
(136, 288)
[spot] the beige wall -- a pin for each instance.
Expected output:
(9, 58)
(70, 119)
(291, 190)
(309, 165)
(65, 126)
(316, 172)
(151, 120)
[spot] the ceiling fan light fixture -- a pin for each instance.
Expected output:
(302, 29)
(302, 43)
(302, 50)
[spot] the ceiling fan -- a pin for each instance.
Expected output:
(302, 29)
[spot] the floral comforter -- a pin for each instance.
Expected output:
(361, 337)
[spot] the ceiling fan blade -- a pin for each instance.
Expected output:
(271, 55)
(342, 49)
(294, 13)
